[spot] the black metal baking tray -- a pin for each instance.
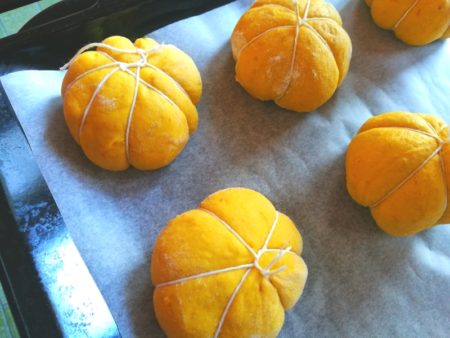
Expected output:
(56, 33)
(35, 245)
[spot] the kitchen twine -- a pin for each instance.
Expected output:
(301, 21)
(124, 67)
(304, 22)
(441, 144)
(403, 17)
(265, 272)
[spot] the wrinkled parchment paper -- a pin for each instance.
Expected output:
(361, 282)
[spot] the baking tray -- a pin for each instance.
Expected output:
(49, 288)
(359, 277)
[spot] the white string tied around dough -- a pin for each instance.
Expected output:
(302, 21)
(125, 67)
(265, 272)
(441, 144)
(138, 51)
(403, 17)
(289, 76)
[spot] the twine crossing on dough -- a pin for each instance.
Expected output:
(132, 108)
(305, 14)
(265, 272)
(112, 48)
(403, 17)
(444, 170)
(91, 101)
(124, 67)
(294, 47)
(441, 144)
(300, 22)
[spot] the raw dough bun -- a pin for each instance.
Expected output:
(398, 165)
(229, 228)
(415, 22)
(162, 118)
(294, 52)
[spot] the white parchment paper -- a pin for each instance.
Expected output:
(362, 283)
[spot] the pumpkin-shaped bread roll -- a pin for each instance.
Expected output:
(415, 22)
(398, 165)
(294, 52)
(229, 268)
(131, 104)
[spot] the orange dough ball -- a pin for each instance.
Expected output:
(294, 52)
(415, 22)
(398, 165)
(131, 104)
(229, 268)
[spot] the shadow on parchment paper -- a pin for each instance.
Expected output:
(139, 304)
(350, 261)
(61, 142)
(240, 123)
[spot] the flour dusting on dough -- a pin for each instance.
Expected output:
(274, 60)
(108, 102)
(240, 40)
(279, 87)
